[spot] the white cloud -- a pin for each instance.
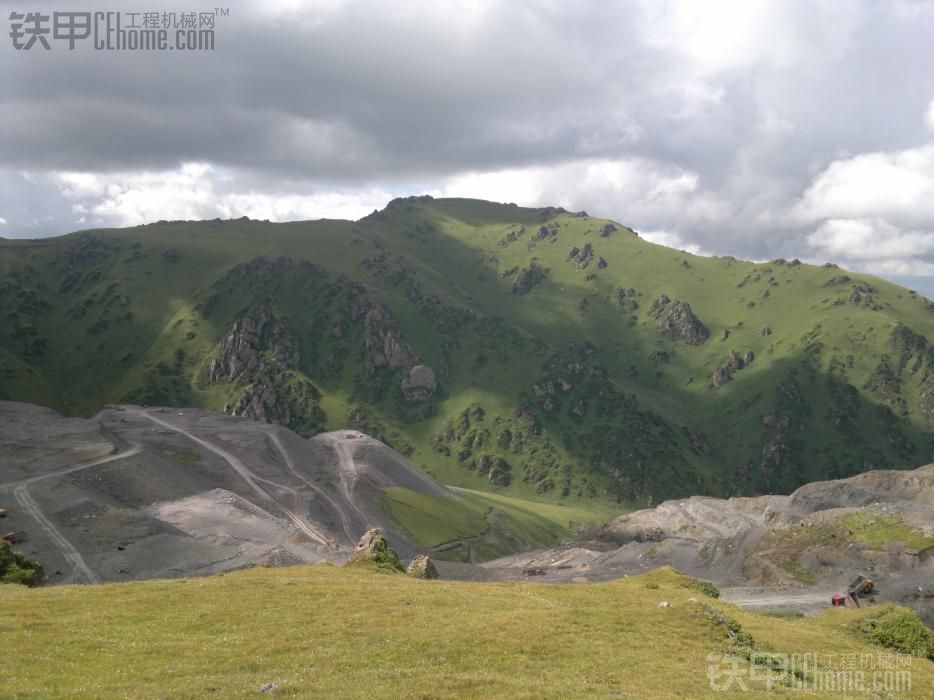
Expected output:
(672, 240)
(875, 245)
(630, 190)
(199, 191)
(3, 221)
(897, 185)
(869, 239)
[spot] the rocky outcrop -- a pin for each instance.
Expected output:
(261, 355)
(382, 340)
(419, 384)
(373, 551)
(675, 320)
(734, 363)
(582, 256)
(607, 230)
(529, 278)
(422, 567)
(239, 352)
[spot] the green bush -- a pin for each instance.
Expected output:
(707, 588)
(900, 629)
(16, 568)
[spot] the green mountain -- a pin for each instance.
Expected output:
(536, 351)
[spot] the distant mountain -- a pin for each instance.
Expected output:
(537, 351)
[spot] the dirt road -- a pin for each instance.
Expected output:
(290, 465)
(348, 472)
(763, 598)
(238, 466)
(30, 507)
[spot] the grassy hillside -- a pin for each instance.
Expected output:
(569, 359)
(325, 632)
(477, 526)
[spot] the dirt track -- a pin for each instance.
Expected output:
(237, 464)
(29, 505)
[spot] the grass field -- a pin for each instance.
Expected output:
(320, 631)
(877, 530)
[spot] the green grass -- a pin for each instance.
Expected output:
(491, 524)
(319, 631)
(878, 530)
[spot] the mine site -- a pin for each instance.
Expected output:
(435, 349)
(139, 493)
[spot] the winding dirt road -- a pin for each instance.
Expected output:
(290, 465)
(348, 473)
(31, 508)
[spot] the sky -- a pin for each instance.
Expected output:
(754, 129)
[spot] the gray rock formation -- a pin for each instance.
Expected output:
(675, 320)
(259, 354)
(383, 343)
(373, 551)
(419, 384)
(422, 567)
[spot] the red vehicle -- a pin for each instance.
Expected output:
(14, 537)
(838, 601)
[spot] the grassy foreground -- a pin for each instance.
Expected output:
(320, 631)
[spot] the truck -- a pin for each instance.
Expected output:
(860, 586)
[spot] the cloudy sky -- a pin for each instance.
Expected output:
(754, 129)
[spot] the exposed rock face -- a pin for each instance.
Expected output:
(419, 384)
(582, 256)
(675, 320)
(238, 354)
(382, 340)
(422, 567)
(258, 354)
(529, 278)
(374, 551)
(607, 230)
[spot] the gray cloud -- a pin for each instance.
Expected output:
(718, 121)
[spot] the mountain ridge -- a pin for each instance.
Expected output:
(539, 352)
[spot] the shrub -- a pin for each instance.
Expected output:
(16, 568)
(900, 629)
(707, 588)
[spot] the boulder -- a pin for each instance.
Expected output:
(422, 567)
(419, 384)
(373, 551)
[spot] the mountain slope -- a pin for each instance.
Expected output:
(536, 351)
